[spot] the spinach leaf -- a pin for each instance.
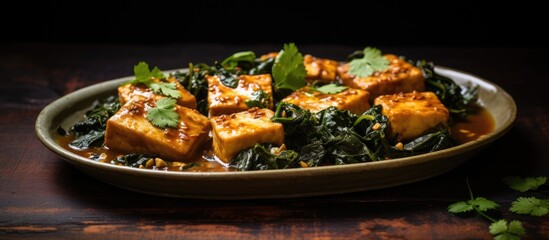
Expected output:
(454, 97)
(90, 132)
(260, 157)
(430, 142)
(195, 82)
(132, 159)
(258, 99)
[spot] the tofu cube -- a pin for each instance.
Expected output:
(238, 131)
(226, 100)
(324, 70)
(354, 100)
(401, 76)
(413, 114)
(130, 131)
(127, 91)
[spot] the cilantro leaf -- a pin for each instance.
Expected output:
(166, 89)
(145, 76)
(503, 231)
(523, 185)
(480, 203)
(164, 115)
(258, 99)
(288, 69)
(371, 62)
(232, 61)
(330, 89)
(530, 206)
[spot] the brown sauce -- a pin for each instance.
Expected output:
(474, 127)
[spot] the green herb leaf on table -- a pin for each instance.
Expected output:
(523, 185)
(164, 115)
(482, 204)
(330, 89)
(530, 206)
(503, 231)
(288, 69)
(232, 61)
(371, 62)
(145, 76)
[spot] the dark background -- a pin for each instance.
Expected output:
(360, 23)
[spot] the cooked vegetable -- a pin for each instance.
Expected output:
(91, 131)
(456, 99)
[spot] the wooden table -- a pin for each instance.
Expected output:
(43, 197)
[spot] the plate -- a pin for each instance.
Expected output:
(286, 183)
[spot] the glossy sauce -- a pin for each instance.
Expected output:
(474, 127)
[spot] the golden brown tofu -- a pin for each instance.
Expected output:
(226, 100)
(354, 100)
(130, 131)
(412, 114)
(127, 91)
(401, 76)
(321, 69)
(238, 131)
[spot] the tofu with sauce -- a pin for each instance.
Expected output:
(130, 131)
(400, 76)
(127, 91)
(354, 100)
(413, 114)
(238, 131)
(322, 69)
(226, 100)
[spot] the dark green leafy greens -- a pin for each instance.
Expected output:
(132, 160)
(260, 157)
(90, 132)
(258, 99)
(454, 97)
(338, 137)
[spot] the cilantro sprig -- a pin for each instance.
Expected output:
(524, 184)
(371, 62)
(502, 229)
(288, 69)
(145, 76)
(164, 115)
(329, 88)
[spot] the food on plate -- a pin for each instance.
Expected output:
(277, 111)
(237, 131)
(399, 76)
(129, 130)
(412, 114)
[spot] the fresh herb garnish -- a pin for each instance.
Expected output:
(145, 76)
(330, 89)
(288, 69)
(499, 229)
(164, 115)
(371, 61)
(258, 99)
(530, 206)
(523, 185)
(233, 61)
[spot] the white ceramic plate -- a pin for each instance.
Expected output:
(300, 182)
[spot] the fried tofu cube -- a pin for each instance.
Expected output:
(413, 114)
(127, 91)
(324, 70)
(354, 100)
(238, 131)
(130, 131)
(226, 100)
(400, 76)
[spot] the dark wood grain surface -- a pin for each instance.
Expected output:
(43, 197)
